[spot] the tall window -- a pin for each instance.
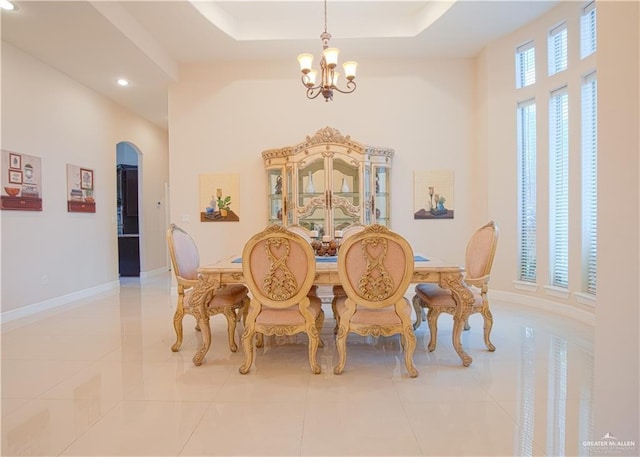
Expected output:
(588, 30)
(557, 49)
(527, 190)
(525, 65)
(589, 183)
(559, 187)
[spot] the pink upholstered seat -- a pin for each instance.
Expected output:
(478, 260)
(375, 267)
(279, 268)
(185, 260)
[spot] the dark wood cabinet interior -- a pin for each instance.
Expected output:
(127, 194)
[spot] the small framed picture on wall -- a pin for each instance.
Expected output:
(86, 178)
(15, 161)
(15, 177)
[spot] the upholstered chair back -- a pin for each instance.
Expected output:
(184, 253)
(375, 266)
(480, 251)
(278, 266)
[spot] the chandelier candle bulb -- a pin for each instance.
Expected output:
(326, 238)
(338, 234)
(306, 61)
(350, 69)
(331, 57)
(314, 234)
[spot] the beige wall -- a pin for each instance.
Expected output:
(48, 115)
(221, 119)
(616, 344)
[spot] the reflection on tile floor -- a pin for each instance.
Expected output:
(97, 377)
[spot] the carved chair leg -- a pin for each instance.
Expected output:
(230, 314)
(245, 310)
(341, 346)
(319, 323)
(247, 346)
(417, 306)
(409, 347)
(432, 320)
(488, 324)
(335, 315)
(314, 342)
(177, 325)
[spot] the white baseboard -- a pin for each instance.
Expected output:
(546, 305)
(156, 272)
(35, 308)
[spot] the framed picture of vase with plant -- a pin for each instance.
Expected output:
(433, 194)
(219, 197)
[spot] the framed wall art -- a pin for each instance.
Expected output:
(21, 182)
(15, 161)
(80, 190)
(433, 194)
(219, 197)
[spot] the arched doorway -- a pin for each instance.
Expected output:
(128, 161)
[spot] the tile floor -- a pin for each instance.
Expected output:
(98, 378)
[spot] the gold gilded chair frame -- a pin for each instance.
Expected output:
(447, 303)
(368, 264)
(199, 294)
(279, 269)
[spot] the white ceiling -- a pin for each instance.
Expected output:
(146, 41)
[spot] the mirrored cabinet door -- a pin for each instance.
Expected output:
(275, 195)
(346, 193)
(311, 202)
(382, 204)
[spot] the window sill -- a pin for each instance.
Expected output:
(586, 299)
(558, 292)
(523, 285)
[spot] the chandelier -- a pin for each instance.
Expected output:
(328, 77)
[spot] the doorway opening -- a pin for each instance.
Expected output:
(127, 204)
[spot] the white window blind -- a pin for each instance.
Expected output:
(589, 183)
(559, 187)
(557, 51)
(525, 65)
(588, 30)
(527, 224)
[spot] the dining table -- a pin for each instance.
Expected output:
(448, 275)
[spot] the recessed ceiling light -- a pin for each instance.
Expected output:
(7, 5)
(121, 81)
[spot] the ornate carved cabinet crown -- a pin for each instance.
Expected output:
(328, 182)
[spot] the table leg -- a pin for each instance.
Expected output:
(202, 294)
(464, 301)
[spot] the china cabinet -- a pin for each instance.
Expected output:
(328, 182)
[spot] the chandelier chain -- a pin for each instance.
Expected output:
(325, 16)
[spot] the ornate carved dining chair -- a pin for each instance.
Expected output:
(481, 249)
(230, 300)
(375, 267)
(279, 269)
